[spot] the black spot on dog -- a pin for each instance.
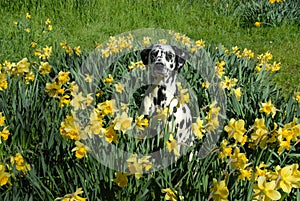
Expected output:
(155, 101)
(161, 95)
(171, 117)
(181, 124)
(170, 79)
(184, 109)
(174, 109)
(188, 123)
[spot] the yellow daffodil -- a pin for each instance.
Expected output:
(48, 21)
(80, 150)
(260, 170)
(95, 124)
(63, 77)
(88, 78)
(205, 84)
(228, 83)
(141, 122)
(184, 97)
(77, 50)
(2, 119)
(68, 50)
(29, 77)
(73, 196)
(135, 65)
(124, 107)
(111, 135)
(50, 27)
(70, 128)
(260, 132)
(275, 66)
(108, 107)
(44, 68)
(290, 132)
(78, 101)
(239, 160)
(163, 41)
(121, 179)
(236, 130)
(200, 43)
(264, 190)
(28, 16)
(248, 54)
(123, 122)
(257, 24)
(162, 114)
(105, 53)
(219, 68)
(146, 41)
(296, 96)
(4, 133)
(245, 174)
(198, 128)
(268, 108)
(33, 44)
(21, 67)
(212, 117)
(172, 145)
(73, 87)
(4, 176)
(234, 49)
(20, 163)
(171, 195)
(287, 177)
(238, 93)
(3, 82)
(64, 100)
(63, 44)
(45, 53)
(185, 40)
(136, 165)
(54, 89)
(119, 87)
(225, 151)
(108, 79)
(147, 165)
(193, 49)
(219, 191)
(177, 36)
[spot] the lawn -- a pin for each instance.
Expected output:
(62, 118)
(86, 23)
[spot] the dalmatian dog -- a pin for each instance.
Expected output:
(165, 62)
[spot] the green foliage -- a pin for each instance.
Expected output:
(275, 14)
(34, 118)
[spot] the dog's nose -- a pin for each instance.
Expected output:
(159, 59)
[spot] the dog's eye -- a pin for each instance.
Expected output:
(169, 56)
(154, 54)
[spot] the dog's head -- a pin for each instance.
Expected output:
(165, 60)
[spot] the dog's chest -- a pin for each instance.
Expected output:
(159, 97)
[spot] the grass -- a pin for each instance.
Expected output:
(44, 150)
(85, 23)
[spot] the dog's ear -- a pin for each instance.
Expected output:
(145, 55)
(180, 58)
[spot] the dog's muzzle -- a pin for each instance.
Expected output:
(159, 69)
